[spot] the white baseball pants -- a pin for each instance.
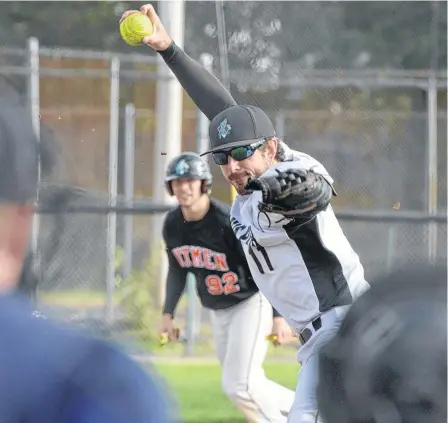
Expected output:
(240, 339)
(304, 408)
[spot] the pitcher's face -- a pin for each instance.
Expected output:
(238, 171)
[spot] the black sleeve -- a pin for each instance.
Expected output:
(176, 279)
(207, 92)
(175, 285)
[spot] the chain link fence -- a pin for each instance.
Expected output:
(374, 128)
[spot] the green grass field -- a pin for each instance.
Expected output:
(196, 383)
(197, 388)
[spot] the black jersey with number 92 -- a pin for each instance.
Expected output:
(209, 249)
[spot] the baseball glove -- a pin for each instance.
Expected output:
(292, 192)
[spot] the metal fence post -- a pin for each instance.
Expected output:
(34, 84)
(280, 124)
(222, 43)
(194, 310)
(168, 139)
(432, 130)
(34, 107)
(113, 187)
(390, 246)
(129, 147)
(432, 166)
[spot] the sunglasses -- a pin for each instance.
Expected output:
(237, 153)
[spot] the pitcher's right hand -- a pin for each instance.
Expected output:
(159, 40)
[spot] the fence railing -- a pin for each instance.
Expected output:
(106, 113)
(79, 294)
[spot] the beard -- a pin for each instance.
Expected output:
(241, 179)
(240, 184)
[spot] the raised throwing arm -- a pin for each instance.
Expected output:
(207, 92)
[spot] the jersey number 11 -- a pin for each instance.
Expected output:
(263, 257)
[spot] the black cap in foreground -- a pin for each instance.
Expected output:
(18, 153)
(237, 126)
(369, 371)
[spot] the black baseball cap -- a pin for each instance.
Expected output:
(238, 126)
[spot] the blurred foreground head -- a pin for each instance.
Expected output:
(18, 185)
(388, 362)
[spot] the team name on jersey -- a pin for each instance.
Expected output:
(203, 258)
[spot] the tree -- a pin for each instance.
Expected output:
(261, 35)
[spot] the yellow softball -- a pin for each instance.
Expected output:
(134, 27)
(163, 338)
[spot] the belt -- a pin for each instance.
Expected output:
(307, 333)
(335, 314)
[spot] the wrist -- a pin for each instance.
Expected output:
(169, 53)
(165, 46)
(168, 316)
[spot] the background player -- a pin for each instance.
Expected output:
(199, 239)
(295, 247)
(49, 373)
(388, 361)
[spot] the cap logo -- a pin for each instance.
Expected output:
(224, 129)
(182, 167)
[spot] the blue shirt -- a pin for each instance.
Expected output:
(51, 374)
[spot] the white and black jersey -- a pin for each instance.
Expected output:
(303, 267)
(209, 249)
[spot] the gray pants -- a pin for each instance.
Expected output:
(304, 408)
(240, 340)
